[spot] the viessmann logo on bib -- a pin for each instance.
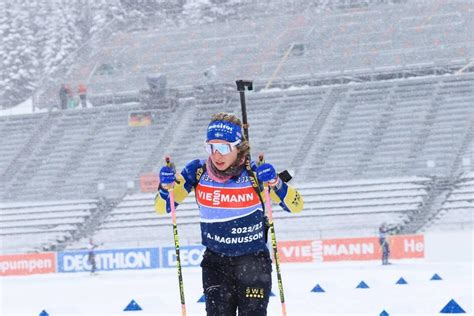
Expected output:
(226, 197)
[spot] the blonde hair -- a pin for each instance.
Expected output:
(244, 146)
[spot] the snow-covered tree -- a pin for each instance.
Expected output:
(18, 54)
(38, 35)
(4, 30)
(206, 11)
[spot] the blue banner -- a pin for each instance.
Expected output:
(190, 256)
(106, 260)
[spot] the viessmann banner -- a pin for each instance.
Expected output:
(349, 249)
(118, 259)
(323, 250)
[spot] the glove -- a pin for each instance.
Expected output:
(266, 173)
(167, 176)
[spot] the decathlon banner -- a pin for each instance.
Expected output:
(190, 256)
(25, 264)
(118, 259)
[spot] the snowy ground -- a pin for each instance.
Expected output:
(157, 293)
(26, 107)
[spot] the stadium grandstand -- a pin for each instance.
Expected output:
(369, 104)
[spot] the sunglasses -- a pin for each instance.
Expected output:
(222, 148)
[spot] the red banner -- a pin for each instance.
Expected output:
(295, 251)
(407, 246)
(349, 249)
(25, 264)
(149, 182)
(401, 247)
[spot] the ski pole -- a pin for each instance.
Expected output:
(268, 206)
(176, 246)
(241, 84)
(275, 250)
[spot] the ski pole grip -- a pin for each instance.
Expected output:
(261, 159)
(241, 84)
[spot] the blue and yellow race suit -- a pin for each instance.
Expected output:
(231, 213)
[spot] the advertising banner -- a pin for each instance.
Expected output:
(118, 259)
(190, 256)
(407, 246)
(368, 248)
(149, 182)
(296, 251)
(345, 249)
(348, 249)
(25, 264)
(324, 250)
